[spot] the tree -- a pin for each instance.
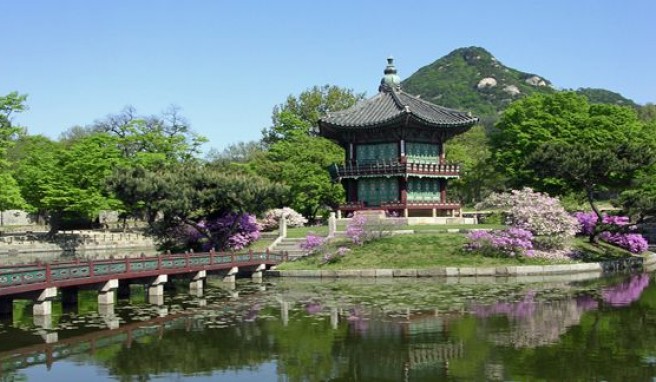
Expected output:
(301, 162)
(34, 163)
(151, 140)
(179, 200)
(300, 114)
(10, 196)
(479, 178)
(590, 169)
(567, 120)
(79, 185)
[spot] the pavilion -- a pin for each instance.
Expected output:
(395, 158)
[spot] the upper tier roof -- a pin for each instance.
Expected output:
(393, 105)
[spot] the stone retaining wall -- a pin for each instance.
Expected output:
(501, 271)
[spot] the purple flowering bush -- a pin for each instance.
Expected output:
(614, 230)
(512, 242)
(312, 242)
(231, 231)
(355, 230)
(536, 212)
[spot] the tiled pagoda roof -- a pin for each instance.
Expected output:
(391, 105)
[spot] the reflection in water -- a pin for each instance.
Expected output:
(416, 330)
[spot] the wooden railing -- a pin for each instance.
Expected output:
(395, 168)
(12, 278)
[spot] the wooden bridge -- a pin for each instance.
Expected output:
(40, 281)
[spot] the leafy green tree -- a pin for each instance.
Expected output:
(152, 140)
(301, 114)
(34, 162)
(10, 196)
(564, 119)
(79, 186)
(478, 176)
(301, 163)
(639, 201)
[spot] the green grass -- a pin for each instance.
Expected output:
(409, 251)
(595, 252)
(341, 226)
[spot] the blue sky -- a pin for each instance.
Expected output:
(227, 63)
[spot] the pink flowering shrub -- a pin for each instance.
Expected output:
(615, 230)
(513, 242)
(231, 231)
(355, 230)
(272, 218)
(312, 242)
(536, 212)
(334, 257)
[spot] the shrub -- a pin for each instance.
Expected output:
(614, 230)
(231, 231)
(362, 230)
(272, 218)
(312, 242)
(513, 242)
(536, 212)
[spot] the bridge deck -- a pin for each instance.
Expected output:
(32, 277)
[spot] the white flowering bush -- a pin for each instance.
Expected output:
(272, 218)
(536, 212)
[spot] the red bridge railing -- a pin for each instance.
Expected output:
(27, 277)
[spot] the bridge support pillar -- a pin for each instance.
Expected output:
(257, 275)
(156, 287)
(43, 304)
(196, 284)
(232, 273)
(106, 292)
(6, 306)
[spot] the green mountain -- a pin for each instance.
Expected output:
(472, 79)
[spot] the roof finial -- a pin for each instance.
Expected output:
(390, 81)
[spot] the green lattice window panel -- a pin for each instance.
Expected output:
(422, 152)
(382, 152)
(374, 191)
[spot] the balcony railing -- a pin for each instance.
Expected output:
(394, 168)
(397, 205)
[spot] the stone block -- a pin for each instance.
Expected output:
(451, 272)
(530, 270)
(347, 273)
(405, 273)
(368, 273)
(430, 272)
(587, 267)
(384, 273)
(466, 272)
(328, 273)
(485, 271)
(557, 269)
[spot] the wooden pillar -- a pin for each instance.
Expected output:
(442, 156)
(403, 187)
(350, 152)
(442, 191)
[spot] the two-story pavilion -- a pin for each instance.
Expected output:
(394, 144)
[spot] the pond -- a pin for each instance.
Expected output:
(346, 330)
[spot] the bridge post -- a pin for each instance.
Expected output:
(230, 278)
(257, 275)
(282, 229)
(196, 284)
(156, 288)
(332, 225)
(6, 306)
(43, 304)
(106, 292)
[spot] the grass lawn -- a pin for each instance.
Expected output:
(409, 251)
(598, 252)
(341, 226)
